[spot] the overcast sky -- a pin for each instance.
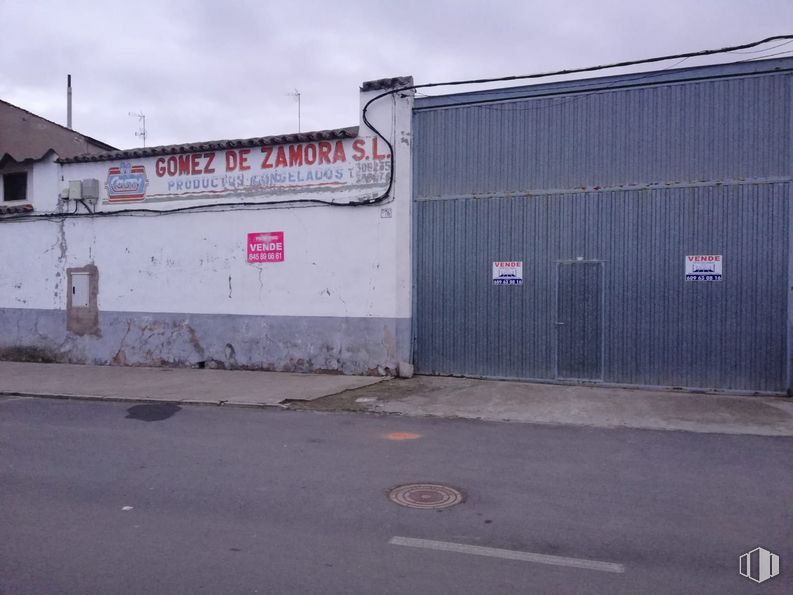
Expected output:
(206, 70)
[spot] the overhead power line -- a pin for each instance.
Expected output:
(503, 79)
(382, 197)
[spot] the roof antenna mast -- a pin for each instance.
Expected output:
(296, 95)
(142, 123)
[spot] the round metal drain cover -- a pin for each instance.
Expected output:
(425, 495)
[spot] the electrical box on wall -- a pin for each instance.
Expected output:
(75, 190)
(91, 189)
(87, 189)
(80, 289)
(82, 309)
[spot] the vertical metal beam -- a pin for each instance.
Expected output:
(414, 252)
(789, 200)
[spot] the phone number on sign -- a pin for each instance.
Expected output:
(266, 257)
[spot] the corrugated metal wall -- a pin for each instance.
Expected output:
(635, 179)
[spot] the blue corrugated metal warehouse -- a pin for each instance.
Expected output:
(631, 230)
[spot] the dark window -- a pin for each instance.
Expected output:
(15, 186)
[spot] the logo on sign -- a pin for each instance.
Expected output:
(126, 183)
(508, 273)
(266, 246)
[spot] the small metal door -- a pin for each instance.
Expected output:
(579, 316)
(81, 283)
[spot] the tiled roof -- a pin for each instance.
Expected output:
(10, 209)
(24, 135)
(218, 145)
(384, 84)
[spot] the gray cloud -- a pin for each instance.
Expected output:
(203, 70)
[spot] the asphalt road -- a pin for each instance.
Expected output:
(95, 499)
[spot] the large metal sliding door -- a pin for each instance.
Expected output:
(605, 198)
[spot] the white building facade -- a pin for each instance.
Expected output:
(287, 253)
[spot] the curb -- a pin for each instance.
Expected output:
(141, 399)
(288, 406)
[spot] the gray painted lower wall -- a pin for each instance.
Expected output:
(283, 343)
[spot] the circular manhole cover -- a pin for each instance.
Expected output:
(425, 495)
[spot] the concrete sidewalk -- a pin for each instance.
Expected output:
(489, 400)
(176, 385)
(579, 405)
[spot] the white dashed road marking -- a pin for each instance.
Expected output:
(491, 552)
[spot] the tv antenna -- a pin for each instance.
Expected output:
(296, 95)
(142, 123)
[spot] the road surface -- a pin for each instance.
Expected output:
(124, 498)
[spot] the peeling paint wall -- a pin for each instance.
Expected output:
(178, 290)
(319, 344)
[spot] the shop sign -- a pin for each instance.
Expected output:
(334, 166)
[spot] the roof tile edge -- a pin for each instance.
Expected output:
(217, 145)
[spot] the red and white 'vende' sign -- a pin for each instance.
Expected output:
(266, 246)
